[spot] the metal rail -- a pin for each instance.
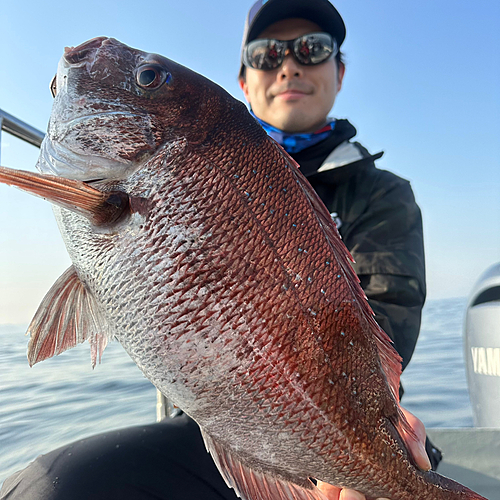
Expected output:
(19, 129)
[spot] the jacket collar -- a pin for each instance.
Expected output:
(335, 154)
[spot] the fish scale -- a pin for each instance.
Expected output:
(208, 255)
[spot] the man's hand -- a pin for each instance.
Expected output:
(416, 448)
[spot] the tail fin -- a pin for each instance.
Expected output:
(444, 488)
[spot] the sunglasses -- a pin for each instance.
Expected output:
(267, 54)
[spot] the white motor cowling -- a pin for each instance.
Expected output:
(482, 348)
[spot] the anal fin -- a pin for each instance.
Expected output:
(250, 484)
(67, 316)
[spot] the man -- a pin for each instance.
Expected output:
(291, 88)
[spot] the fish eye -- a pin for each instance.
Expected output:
(152, 76)
(53, 86)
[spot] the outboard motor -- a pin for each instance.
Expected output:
(482, 348)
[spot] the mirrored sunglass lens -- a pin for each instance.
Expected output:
(314, 48)
(264, 54)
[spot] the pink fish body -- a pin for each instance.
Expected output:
(197, 243)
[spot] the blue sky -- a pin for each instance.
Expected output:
(422, 84)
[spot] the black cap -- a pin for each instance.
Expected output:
(263, 13)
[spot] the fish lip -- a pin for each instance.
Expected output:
(51, 159)
(61, 160)
(57, 160)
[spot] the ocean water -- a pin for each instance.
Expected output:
(63, 399)
(435, 381)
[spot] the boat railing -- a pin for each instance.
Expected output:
(19, 129)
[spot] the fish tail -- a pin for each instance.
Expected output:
(444, 488)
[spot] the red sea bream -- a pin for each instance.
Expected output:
(198, 244)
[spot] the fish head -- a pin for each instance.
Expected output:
(116, 106)
(118, 115)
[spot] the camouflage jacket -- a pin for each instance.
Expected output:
(380, 224)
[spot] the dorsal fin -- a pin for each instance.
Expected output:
(250, 484)
(67, 316)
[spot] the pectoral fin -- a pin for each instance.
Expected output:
(67, 316)
(251, 484)
(99, 208)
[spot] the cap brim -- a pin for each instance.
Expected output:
(321, 12)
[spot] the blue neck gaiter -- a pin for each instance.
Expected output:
(293, 143)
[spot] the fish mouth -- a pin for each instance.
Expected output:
(55, 159)
(85, 147)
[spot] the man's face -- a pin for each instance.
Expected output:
(293, 97)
